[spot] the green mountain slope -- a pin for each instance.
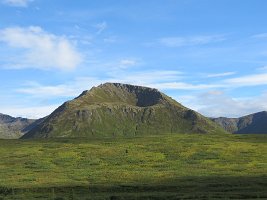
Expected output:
(12, 128)
(254, 123)
(115, 109)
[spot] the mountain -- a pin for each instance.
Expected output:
(254, 123)
(114, 109)
(11, 127)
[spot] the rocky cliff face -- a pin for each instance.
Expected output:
(115, 109)
(254, 123)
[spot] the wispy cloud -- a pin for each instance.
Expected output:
(40, 49)
(228, 83)
(262, 68)
(160, 79)
(209, 99)
(125, 63)
(31, 112)
(220, 74)
(216, 103)
(249, 80)
(117, 65)
(183, 86)
(145, 78)
(69, 89)
(101, 27)
(74, 88)
(110, 39)
(190, 41)
(17, 3)
(38, 90)
(261, 35)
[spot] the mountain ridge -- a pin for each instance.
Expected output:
(115, 109)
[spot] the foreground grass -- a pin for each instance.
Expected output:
(210, 165)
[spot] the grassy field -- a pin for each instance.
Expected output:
(177, 166)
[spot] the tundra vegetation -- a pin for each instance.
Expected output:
(170, 166)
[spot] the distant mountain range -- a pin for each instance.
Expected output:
(255, 123)
(11, 127)
(114, 109)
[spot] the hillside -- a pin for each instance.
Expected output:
(12, 128)
(254, 123)
(115, 109)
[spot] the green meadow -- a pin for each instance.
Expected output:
(177, 166)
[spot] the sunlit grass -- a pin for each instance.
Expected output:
(152, 160)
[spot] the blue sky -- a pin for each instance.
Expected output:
(209, 55)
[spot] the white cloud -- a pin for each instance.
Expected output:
(35, 112)
(220, 74)
(40, 49)
(190, 41)
(17, 3)
(220, 104)
(249, 80)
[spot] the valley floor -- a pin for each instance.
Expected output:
(168, 166)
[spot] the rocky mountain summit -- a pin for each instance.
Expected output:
(115, 109)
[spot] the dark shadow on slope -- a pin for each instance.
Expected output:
(257, 124)
(179, 188)
(33, 125)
